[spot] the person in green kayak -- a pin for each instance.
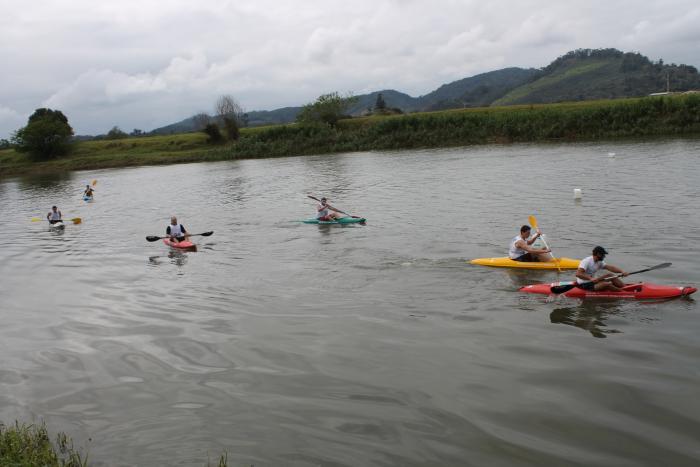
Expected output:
(521, 249)
(88, 191)
(175, 231)
(590, 265)
(54, 215)
(327, 213)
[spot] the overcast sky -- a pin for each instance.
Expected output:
(143, 64)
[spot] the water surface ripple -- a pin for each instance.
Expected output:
(378, 345)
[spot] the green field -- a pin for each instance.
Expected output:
(588, 120)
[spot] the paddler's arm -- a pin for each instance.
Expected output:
(581, 274)
(522, 244)
(615, 269)
(530, 241)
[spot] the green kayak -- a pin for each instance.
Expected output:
(342, 220)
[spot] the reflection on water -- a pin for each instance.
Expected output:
(589, 316)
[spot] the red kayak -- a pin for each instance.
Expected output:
(185, 245)
(641, 291)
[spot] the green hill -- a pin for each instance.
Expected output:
(587, 74)
(477, 91)
(583, 74)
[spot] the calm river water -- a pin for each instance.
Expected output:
(288, 344)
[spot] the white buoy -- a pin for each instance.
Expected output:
(577, 193)
(611, 154)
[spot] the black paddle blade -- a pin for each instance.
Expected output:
(658, 266)
(206, 234)
(152, 238)
(560, 289)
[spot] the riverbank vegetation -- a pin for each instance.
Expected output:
(29, 446)
(672, 115)
(24, 445)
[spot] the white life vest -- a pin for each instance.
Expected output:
(322, 211)
(590, 266)
(514, 252)
(176, 230)
(55, 216)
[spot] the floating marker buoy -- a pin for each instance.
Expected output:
(577, 193)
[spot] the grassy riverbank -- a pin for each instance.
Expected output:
(24, 445)
(590, 120)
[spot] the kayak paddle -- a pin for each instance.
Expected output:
(533, 223)
(153, 238)
(560, 289)
(342, 212)
(75, 220)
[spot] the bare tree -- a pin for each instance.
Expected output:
(201, 120)
(230, 113)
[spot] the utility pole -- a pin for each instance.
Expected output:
(668, 82)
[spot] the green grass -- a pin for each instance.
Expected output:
(24, 445)
(569, 121)
(30, 446)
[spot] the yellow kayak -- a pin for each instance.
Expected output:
(505, 262)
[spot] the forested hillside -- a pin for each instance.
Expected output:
(583, 74)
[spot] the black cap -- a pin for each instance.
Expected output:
(600, 251)
(525, 228)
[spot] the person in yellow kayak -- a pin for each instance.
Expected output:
(521, 249)
(54, 215)
(327, 213)
(590, 265)
(175, 231)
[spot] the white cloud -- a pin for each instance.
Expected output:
(146, 63)
(10, 120)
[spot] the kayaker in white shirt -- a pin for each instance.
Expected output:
(325, 212)
(520, 249)
(175, 231)
(54, 215)
(592, 264)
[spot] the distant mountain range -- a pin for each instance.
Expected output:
(579, 75)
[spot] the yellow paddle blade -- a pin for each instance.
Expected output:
(76, 220)
(533, 222)
(94, 182)
(36, 219)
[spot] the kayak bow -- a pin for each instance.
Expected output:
(184, 245)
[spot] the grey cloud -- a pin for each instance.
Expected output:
(145, 63)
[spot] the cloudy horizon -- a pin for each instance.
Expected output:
(144, 64)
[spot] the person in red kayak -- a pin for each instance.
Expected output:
(594, 263)
(175, 231)
(54, 215)
(327, 213)
(520, 249)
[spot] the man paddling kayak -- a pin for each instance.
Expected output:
(594, 263)
(327, 213)
(54, 215)
(88, 191)
(175, 231)
(520, 249)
